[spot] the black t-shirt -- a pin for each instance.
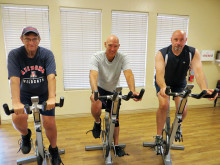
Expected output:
(177, 66)
(32, 72)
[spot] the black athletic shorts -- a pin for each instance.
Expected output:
(106, 104)
(174, 88)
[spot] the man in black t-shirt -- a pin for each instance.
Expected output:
(32, 71)
(172, 64)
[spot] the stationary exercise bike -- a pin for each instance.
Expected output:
(109, 123)
(170, 133)
(41, 154)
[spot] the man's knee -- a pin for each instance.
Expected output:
(49, 122)
(21, 118)
(164, 106)
(96, 107)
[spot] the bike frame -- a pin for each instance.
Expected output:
(110, 119)
(113, 115)
(40, 149)
(170, 132)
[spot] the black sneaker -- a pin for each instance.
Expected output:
(25, 143)
(158, 144)
(120, 151)
(55, 156)
(179, 136)
(96, 129)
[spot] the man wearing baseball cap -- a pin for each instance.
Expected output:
(32, 71)
(30, 29)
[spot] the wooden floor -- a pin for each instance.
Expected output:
(201, 134)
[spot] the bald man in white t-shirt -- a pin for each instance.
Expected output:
(105, 70)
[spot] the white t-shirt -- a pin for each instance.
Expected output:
(109, 72)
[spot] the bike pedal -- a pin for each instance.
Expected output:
(177, 139)
(158, 150)
(158, 153)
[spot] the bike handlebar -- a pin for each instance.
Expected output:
(6, 109)
(124, 97)
(140, 94)
(27, 107)
(203, 94)
(187, 92)
(128, 96)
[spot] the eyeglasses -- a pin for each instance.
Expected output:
(34, 40)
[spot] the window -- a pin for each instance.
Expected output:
(131, 29)
(81, 38)
(166, 25)
(16, 17)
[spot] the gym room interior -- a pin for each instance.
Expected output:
(201, 129)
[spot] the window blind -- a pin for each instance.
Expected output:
(16, 17)
(131, 28)
(81, 38)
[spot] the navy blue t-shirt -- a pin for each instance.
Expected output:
(177, 66)
(32, 72)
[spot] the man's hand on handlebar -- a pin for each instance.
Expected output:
(18, 108)
(163, 93)
(51, 103)
(136, 94)
(92, 97)
(209, 92)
